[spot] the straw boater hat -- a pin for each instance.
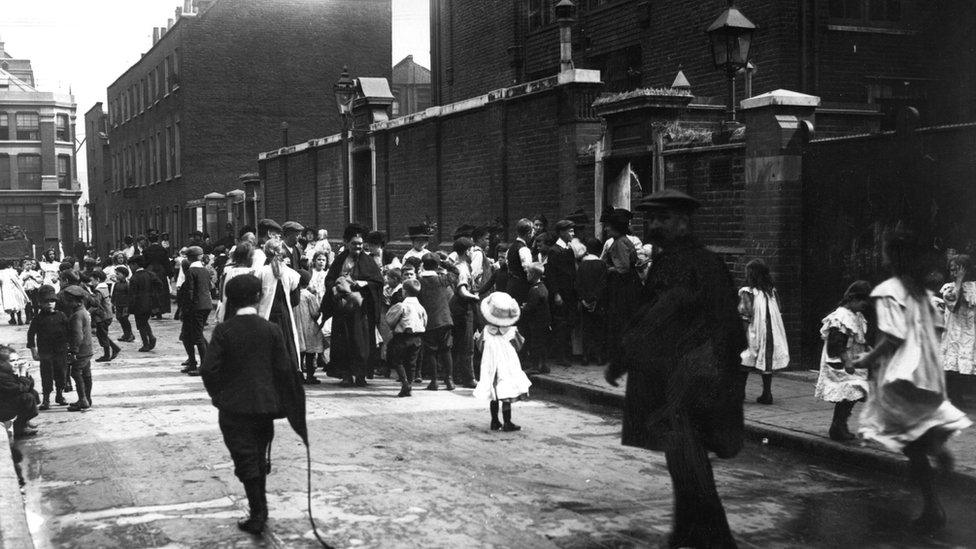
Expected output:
(500, 309)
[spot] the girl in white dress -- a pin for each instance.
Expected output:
(759, 308)
(14, 299)
(51, 267)
(31, 277)
(907, 409)
(844, 332)
(959, 341)
(502, 379)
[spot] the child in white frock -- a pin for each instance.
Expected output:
(502, 379)
(907, 409)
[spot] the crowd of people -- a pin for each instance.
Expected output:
(473, 314)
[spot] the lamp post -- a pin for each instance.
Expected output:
(345, 90)
(730, 37)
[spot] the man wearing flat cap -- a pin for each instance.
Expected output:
(293, 250)
(561, 283)
(681, 356)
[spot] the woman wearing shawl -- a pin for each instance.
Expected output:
(279, 289)
(352, 299)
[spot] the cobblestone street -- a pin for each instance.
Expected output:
(146, 467)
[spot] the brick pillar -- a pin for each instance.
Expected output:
(778, 124)
(49, 159)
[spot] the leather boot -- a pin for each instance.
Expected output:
(258, 506)
(145, 344)
(507, 416)
(493, 408)
(767, 395)
(838, 425)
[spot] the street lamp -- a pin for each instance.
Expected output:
(345, 91)
(565, 16)
(730, 37)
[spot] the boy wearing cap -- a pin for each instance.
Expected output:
(144, 290)
(561, 285)
(47, 338)
(79, 346)
(408, 322)
(196, 303)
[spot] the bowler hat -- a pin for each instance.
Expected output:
(194, 251)
(669, 199)
(500, 309)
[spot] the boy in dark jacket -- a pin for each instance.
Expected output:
(436, 289)
(101, 315)
(246, 372)
(591, 285)
(120, 302)
(79, 345)
(144, 289)
(17, 398)
(47, 338)
(536, 319)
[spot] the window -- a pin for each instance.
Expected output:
(146, 168)
(152, 85)
(154, 141)
(4, 171)
(28, 126)
(63, 130)
(29, 171)
(175, 78)
(137, 165)
(166, 79)
(160, 90)
(4, 126)
(145, 93)
(541, 13)
(176, 147)
(864, 11)
(164, 171)
(64, 171)
(170, 153)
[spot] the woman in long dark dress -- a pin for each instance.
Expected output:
(352, 299)
(623, 284)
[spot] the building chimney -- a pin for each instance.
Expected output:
(169, 24)
(565, 16)
(187, 6)
(155, 35)
(179, 12)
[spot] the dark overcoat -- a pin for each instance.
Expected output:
(681, 355)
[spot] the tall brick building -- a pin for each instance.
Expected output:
(885, 52)
(215, 88)
(39, 187)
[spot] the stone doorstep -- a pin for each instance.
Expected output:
(764, 433)
(14, 532)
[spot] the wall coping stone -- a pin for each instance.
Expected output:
(572, 76)
(14, 530)
(782, 98)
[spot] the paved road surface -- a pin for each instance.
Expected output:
(146, 468)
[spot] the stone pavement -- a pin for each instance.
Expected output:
(796, 420)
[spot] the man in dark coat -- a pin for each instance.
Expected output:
(292, 248)
(249, 377)
(144, 290)
(158, 263)
(681, 357)
(353, 299)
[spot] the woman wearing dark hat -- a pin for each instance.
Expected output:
(354, 320)
(623, 284)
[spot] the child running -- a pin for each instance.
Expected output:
(502, 379)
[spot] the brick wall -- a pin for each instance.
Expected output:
(246, 66)
(855, 188)
(513, 166)
(805, 51)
